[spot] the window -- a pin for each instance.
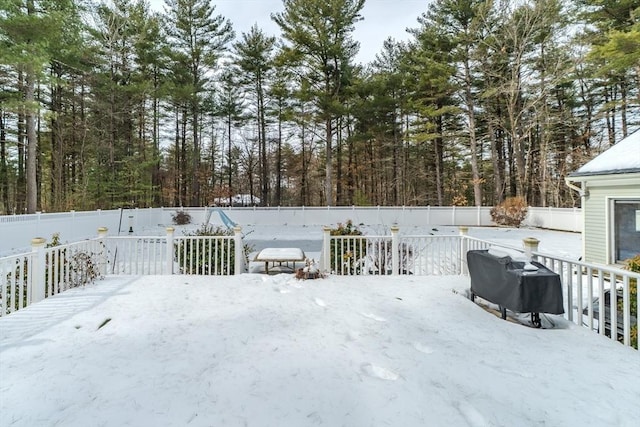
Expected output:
(626, 226)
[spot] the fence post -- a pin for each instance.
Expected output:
(102, 234)
(395, 258)
(326, 249)
(37, 273)
(463, 250)
(239, 249)
(170, 248)
(530, 246)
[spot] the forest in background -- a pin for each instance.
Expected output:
(106, 105)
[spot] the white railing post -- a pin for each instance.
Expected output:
(395, 255)
(464, 269)
(325, 265)
(37, 272)
(170, 249)
(102, 234)
(239, 250)
(530, 245)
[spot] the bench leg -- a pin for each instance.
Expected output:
(503, 312)
(535, 319)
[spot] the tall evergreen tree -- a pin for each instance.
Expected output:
(198, 37)
(229, 106)
(25, 27)
(460, 20)
(319, 36)
(254, 57)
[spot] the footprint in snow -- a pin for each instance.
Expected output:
(379, 372)
(517, 373)
(320, 302)
(352, 336)
(374, 317)
(471, 414)
(422, 348)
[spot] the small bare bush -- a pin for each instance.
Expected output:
(181, 218)
(510, 213)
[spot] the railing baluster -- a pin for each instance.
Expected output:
(21, 287)
(580, 296)
(601, 308)
(626, 310)
(613, 306)
(590, 289)
(567, 270)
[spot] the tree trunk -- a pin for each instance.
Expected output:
(328, 184)
(339, 189)
(32, 137)
(229, 177)
(473, 143)
(4, 175)
(262, 140)
(279, 158)
(438, 145)
(195, 177)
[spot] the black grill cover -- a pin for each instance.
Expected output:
(503, 281)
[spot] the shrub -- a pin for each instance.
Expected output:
(79, 267)
(347, 254)
(510, 213)
(633, 264)
(208, 256)
(380, 256)
(181, 218)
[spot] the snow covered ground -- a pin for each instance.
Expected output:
(257, 350)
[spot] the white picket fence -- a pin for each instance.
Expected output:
(591, 292)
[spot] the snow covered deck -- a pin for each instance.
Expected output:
(263, 350)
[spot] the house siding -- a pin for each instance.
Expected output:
(597, 221)
(595, 234)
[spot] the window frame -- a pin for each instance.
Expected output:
(612, 236)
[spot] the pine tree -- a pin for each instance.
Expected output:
(254, 58)
(198, 38)
(319, 39)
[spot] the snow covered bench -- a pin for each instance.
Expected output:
(280, 255)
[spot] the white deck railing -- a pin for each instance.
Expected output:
(592, 294)
(45, 271)
(16, 283)
(596, 296)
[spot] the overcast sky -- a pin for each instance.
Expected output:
(382, 18)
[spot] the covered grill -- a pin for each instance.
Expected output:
(506, 282)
